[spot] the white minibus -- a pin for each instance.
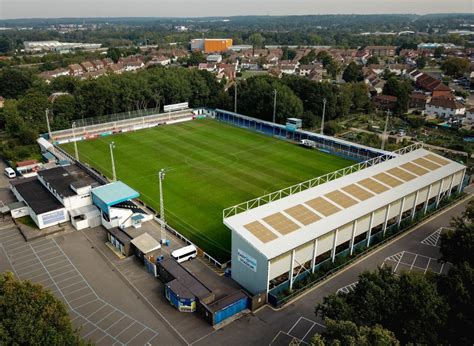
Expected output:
(9, 172)
(184, 254)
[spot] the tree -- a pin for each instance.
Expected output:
(438, 52)
(63, 111)
(256, 40)
(33, 316)
(5, 44)
(14, 82)
(457, 288)
(195, 58)
(256, 99)
(308, 58)
(333, 68)
(421, 62)
(288, 54)
(348, 333)
(455, 66)
(352, 73)
(324, 58)
(114, 53)
(457, 245)
(401, 89)
(373, 60)
(408, 304)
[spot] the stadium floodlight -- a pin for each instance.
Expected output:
(235, 97)
(324, 115)
(76, 152)
(47, 123)
(385, 130)
(112, 147)
(275, 93)
(161, 177)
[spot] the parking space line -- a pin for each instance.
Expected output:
(154, 336)
(413, 263)
(29, 271)
(92, 331)
(60, 268)
(39, 247)
(69, 278)
(28, 261)
(80, 306)
(66, 272)
(113, 324)
(79, 289)
(72, 284)
(49, 259)
(123, 330)
(85, 295)
(21, 252)
(427, 266)
(10, 236)
(103, 318)
(8, 259)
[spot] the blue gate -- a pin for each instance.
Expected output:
(231, 310)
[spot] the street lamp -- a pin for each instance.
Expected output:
(76, 152)
(161, 177)
(385, 130)
(324, 114)
(235, 97)
(112, 147)
(275, 93)
(47, 124)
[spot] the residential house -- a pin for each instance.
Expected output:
(115, 68)
(442, 107)
(160, 60)
(415, 74)
(305, 70)
(288, 68)
(433, 86)
(417, 100)
(226, 70)
(381, 51)
(385, 102)
(107, 62)
(98, 64)
(207, 67)
(75, 70)
(87, 66)
(316, 75)
(133, 65)
(214, 58)
(470, 116)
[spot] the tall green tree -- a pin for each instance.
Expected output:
(14, 82)
(352, 73)
(455, 66)
(31, 315)
(347, 333)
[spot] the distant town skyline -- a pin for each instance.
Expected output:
(11, 9)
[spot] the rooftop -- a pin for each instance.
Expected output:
(61, 179)
(146, 243)
(36, 195)
(114, 193)
(285, 224)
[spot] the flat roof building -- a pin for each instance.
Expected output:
(275, 242)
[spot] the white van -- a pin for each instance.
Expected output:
(184, 254)
(9, 172)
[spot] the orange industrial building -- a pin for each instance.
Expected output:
(211, 45)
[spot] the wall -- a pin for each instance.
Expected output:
(254, 281)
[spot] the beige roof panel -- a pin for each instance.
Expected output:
(322, 206)
(437, 159)
(302, 214)
(340, 198)
(281, 223)
(260, 231)
(358, 192)
(373, 185)
(401, 174)
(387, 179)
(427, 164)
(410, 167)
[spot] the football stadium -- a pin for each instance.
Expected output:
(273, 201)
(210, 165)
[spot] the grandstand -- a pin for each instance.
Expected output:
(281, 241)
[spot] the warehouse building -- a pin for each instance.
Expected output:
(276, 244)
(211, 45)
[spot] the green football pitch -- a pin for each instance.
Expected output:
(210, 166)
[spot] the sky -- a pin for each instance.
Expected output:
(198, 8)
